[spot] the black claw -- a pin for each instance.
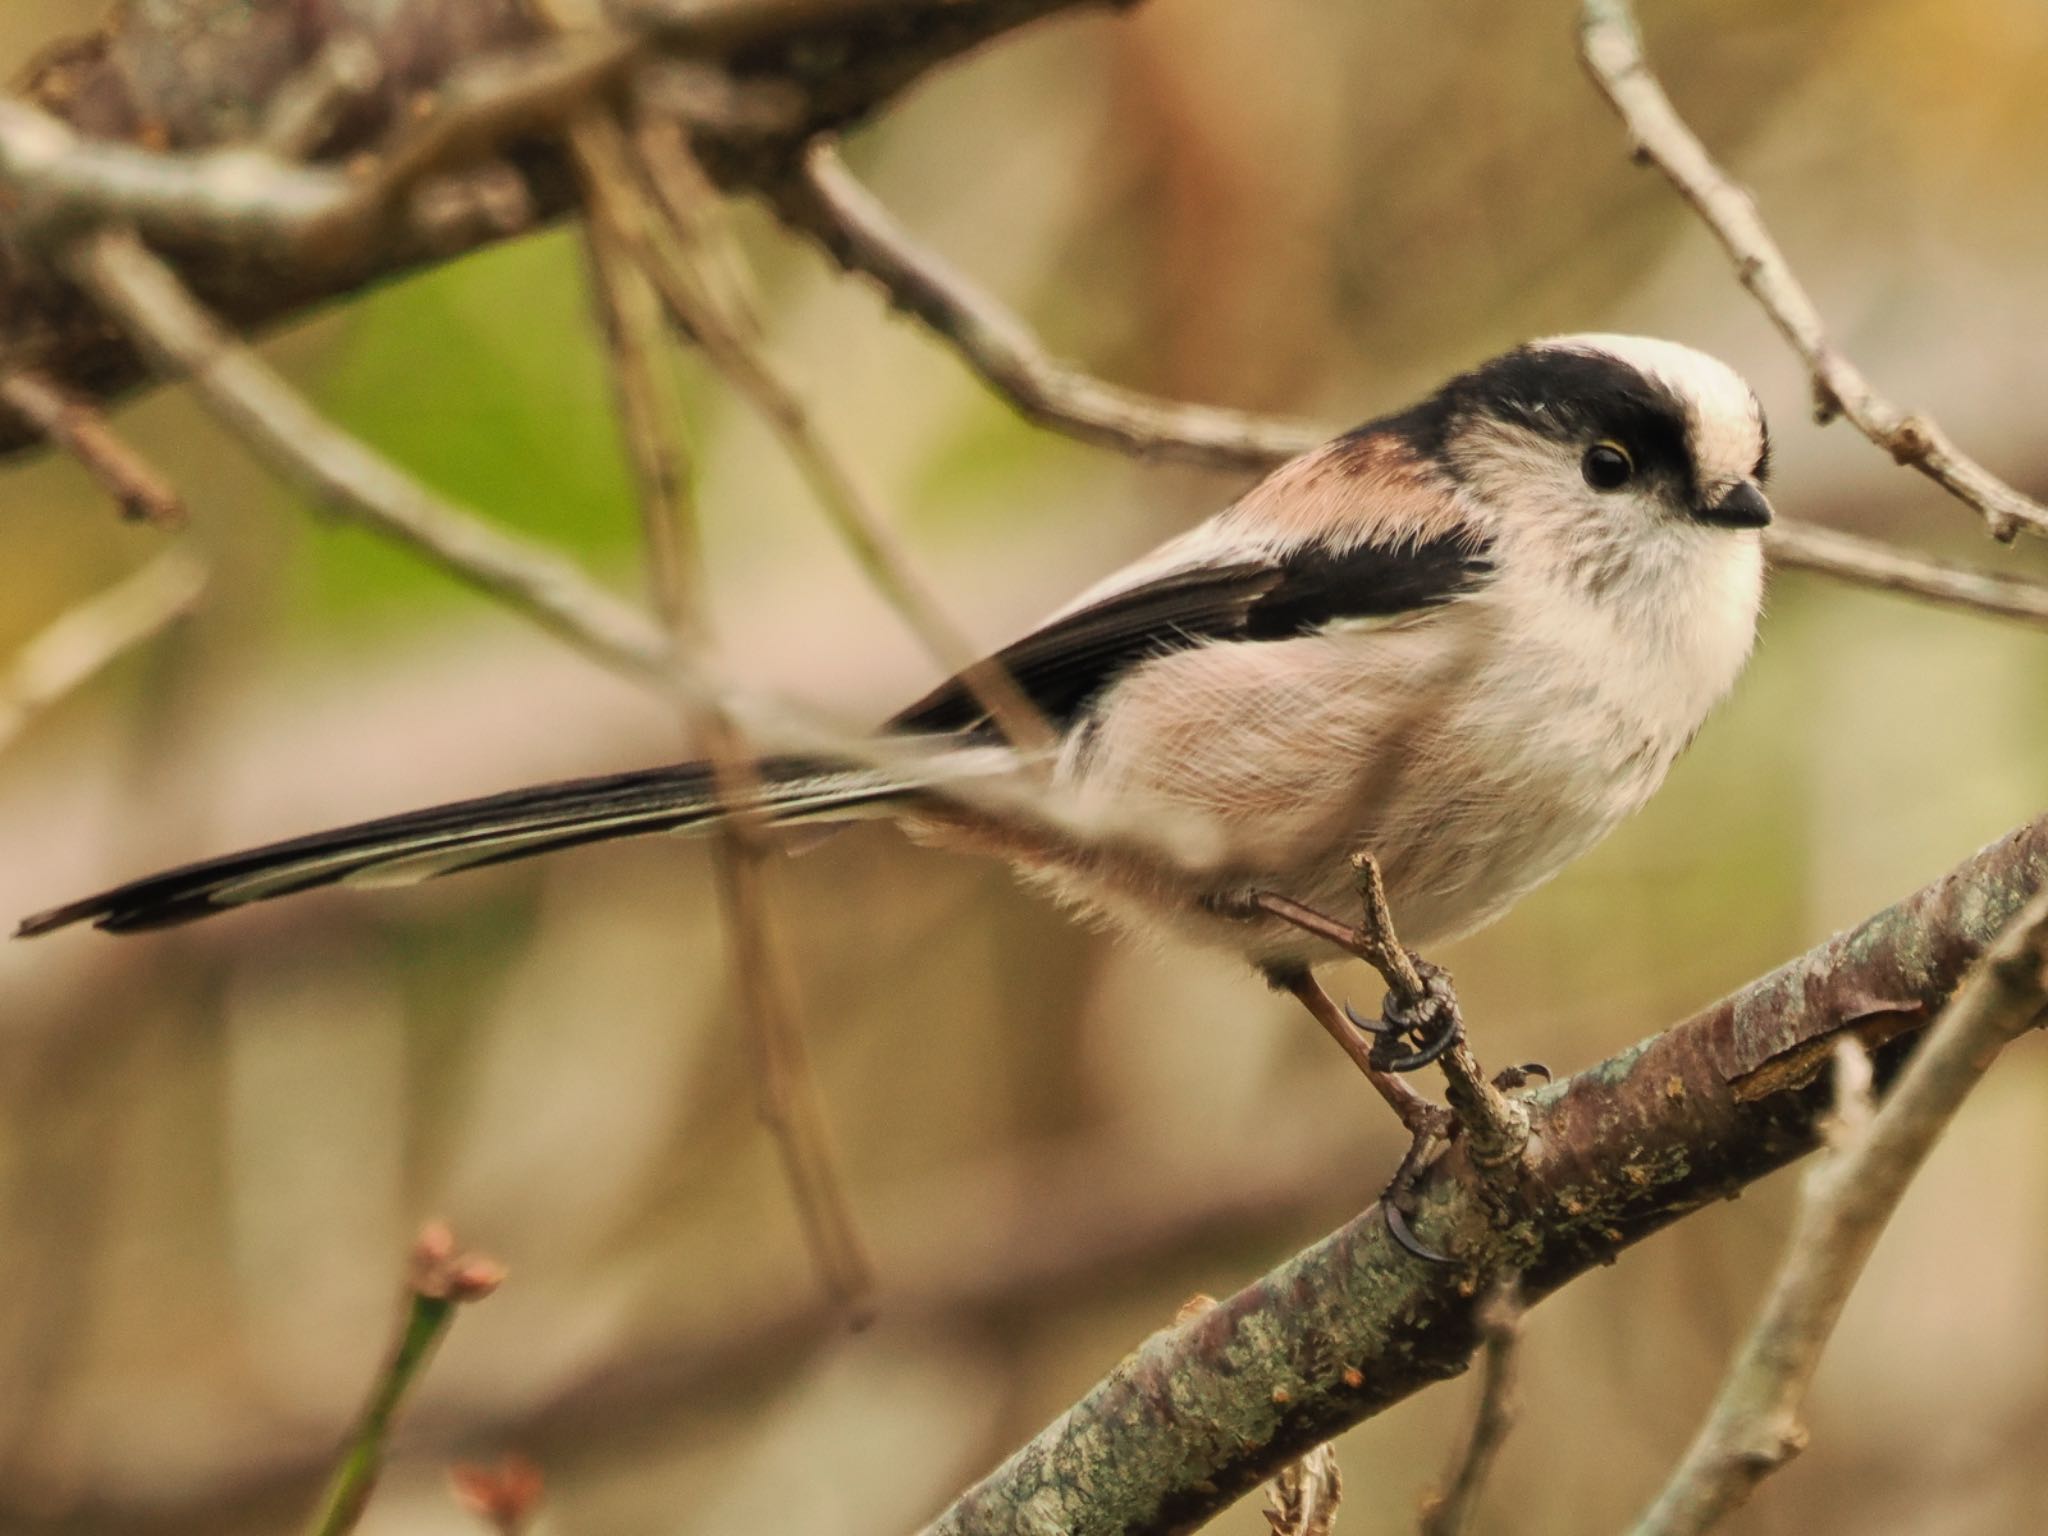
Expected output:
(1368, 1026)
(1398, 1230)
(1515, 1077)
(1423, 1054)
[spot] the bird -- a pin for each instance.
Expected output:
(1469, 638)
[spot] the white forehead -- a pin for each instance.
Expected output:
(1727, 423)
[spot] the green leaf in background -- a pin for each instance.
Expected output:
(484, 379)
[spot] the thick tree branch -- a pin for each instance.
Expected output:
(220, 75)
(1848, 1197)
(1204, 1412)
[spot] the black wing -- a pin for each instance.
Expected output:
(1066, 664)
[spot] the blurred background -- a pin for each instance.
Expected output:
(216, 1143)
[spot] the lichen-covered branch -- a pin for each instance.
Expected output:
(1204, 1412)
(1847, 1198)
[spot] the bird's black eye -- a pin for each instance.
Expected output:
(1607, 466)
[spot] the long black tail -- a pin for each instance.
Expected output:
(399, 850)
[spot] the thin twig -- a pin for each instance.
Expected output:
(1887, 568)
(1451, 1512)
(306, 109)
(790, 1102)
(441, 1280)
(729, 342)
(1496, 1128)
(1612, 48)
(825, 201)
(1845, 1201)
(650, 416)
(82, 430)
(150, 301)
(85, 638)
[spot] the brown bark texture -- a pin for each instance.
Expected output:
(192, 76)
(1205, 1411)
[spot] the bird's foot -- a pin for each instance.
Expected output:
(1415, 1030)
(1508, 1079)
(1399, 1195)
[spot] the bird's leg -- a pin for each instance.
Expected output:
(1427, 1124)
(1417, 1114)
(1421, 1004)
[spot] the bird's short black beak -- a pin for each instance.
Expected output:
(1741, 506)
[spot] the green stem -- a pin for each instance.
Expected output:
(426, 1320)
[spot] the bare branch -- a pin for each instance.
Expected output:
(302, 445)
(1887, 568)
(250, 197)
(1612, 48)
(89, 636)
(789, 1102)
(650, 412)
(679, 271)
(1845, 1201)
(1451, 1512)
(824, 201)
(1352, 1325)
(82, 430)
(441, 1281)
(81, 143)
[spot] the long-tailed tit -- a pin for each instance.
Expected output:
(1469, 638)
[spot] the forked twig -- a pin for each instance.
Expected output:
(1496, 1128)
(824, 200)
(1846, 1199)
(1612, 48)
(142, 292)
(637, 345)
